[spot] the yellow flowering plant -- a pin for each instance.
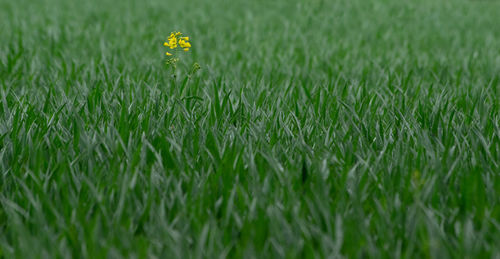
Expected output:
(177, 45)
(175, 42)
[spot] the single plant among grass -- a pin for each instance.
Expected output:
(176, 42)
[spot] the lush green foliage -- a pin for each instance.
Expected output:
(314, 128)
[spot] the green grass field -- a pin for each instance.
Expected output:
(315, 128)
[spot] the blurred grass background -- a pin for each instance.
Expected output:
(314, 129)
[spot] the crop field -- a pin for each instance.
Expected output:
(313, 129)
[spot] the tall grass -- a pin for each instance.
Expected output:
(314, 129)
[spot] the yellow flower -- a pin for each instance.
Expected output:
(172, 42)
(183, 43)
(175, 40)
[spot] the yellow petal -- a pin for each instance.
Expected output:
(165, 44)
(186, 49)
(168, 54)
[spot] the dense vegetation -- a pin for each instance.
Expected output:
(313, 129)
